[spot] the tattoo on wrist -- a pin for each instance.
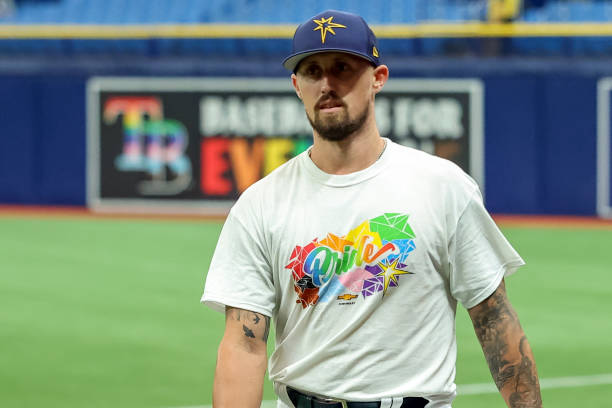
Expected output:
(526, 389)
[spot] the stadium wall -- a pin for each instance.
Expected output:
(540, 123)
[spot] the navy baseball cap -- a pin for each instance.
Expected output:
(336, 31)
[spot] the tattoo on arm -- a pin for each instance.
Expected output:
(254, 325)
(490, 325)
(524, 394)
(506, 349)
(248, 332)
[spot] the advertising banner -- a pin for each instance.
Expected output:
(604, 152)
(193, 145)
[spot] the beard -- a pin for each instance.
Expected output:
(338, 127)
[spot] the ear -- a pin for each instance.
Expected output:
(294, 82)
(381, 74)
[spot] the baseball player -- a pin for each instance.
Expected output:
(359, 250)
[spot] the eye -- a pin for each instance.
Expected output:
(312, 70)
(342, 68)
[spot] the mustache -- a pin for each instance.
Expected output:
(330, 97)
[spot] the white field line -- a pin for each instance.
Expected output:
(489, 388)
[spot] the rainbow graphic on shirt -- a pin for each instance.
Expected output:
(368, 260)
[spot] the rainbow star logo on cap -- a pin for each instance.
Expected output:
(325, 25)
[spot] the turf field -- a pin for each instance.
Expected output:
(106, 313)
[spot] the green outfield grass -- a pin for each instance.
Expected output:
(106, 313)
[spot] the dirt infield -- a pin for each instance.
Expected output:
(552, 221)
(9, 211)
(545, 221)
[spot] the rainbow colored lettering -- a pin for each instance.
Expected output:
(368, 260)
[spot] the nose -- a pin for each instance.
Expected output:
(327, 83)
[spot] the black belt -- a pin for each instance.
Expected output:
(301, 400)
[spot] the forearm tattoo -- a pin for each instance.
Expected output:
(510, 359)
(526, 391)
(254, 325)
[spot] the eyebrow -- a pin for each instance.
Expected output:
(335, 60)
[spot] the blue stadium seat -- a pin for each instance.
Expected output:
(536, 15)
(97, 13)
(293, 12)
(405, 12)
(72, 11)
(558, 11)
(582, 12)
(238, 11)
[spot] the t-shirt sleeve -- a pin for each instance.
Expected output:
(480, 255)
(240, 274)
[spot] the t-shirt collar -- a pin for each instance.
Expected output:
(345, 180)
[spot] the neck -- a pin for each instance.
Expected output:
(357, 152)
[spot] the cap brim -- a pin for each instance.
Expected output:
(292, 61)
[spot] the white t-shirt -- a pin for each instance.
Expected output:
(361, 273)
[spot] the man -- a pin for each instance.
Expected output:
(359, 249)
